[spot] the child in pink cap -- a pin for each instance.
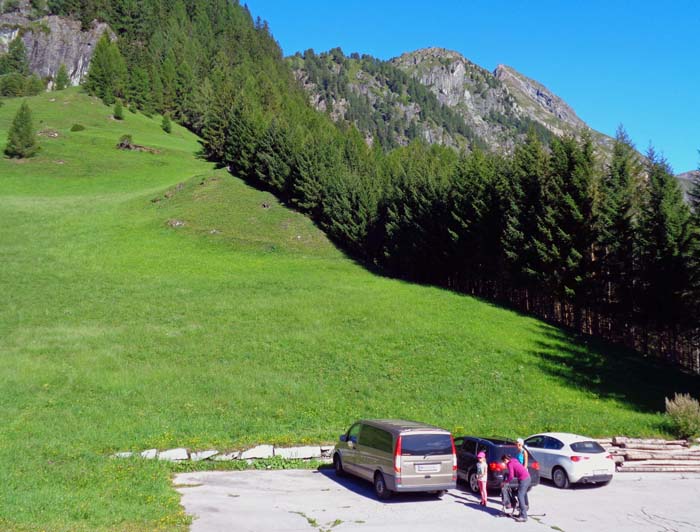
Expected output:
(481, 473)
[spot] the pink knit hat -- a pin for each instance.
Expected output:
(481, 454)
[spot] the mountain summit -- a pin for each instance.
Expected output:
(454, 102)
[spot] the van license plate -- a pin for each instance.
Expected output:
(428, 468)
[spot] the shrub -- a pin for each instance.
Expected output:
(77, 127)
(125, 142)
(118, 110)
(10, 6)
(684, 415)
(165, 124)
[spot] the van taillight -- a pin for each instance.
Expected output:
(536, 466)
(454, 459)
(575, 458)
(496, 466)
(397, 455)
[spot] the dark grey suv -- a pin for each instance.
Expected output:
(467, 448)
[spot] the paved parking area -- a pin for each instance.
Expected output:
(307, 500)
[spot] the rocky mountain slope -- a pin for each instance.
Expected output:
(51, 41)
(497, 108)
(685, 179)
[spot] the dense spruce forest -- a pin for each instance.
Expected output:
(610, 249)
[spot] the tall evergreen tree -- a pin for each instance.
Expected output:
(15, 60)
(21, 139)
(616, 221)
(666, 232)
(62, 80)
(107, 75)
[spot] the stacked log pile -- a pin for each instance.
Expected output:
(634, 455)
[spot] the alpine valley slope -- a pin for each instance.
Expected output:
(150, 300)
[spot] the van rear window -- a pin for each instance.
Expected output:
(425, 444)
(587, 447)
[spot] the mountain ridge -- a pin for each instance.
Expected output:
(498, 107)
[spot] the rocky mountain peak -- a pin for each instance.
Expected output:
(538, 101)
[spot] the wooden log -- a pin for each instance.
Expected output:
(653, 447)
(657, 469)
(642, 455)
(622, 441)
(684, 463)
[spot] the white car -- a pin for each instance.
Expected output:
(570, 458)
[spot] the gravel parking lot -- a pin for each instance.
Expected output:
(304, 501)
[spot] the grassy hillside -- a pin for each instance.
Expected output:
(245, 324)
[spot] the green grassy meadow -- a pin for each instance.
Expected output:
(244, 325)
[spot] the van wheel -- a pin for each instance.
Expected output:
(439, 493)
(380, 487)
(560, 478)
(338, 465)
(473, 482)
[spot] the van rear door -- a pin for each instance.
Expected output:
(426, 459)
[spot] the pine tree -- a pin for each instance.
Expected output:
(524, 253)
(666, 234)
(15, 60)
(22, 141)
(615, 224)
(62, 80)
(107, 75)
(118, 110)
(469, 207)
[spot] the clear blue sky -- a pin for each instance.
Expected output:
(615, 62)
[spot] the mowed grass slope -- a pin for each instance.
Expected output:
(244, 325)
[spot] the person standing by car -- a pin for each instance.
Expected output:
(522, 455)
(517, 470)
(481, 474)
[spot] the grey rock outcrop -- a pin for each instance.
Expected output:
(174, 455)
(51, 41)
(686, 180)
(465, 87)
(538, 102)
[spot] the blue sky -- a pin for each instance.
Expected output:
(616, 62)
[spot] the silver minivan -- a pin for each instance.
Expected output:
(397, 456)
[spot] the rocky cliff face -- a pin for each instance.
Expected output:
(51, 41)
(686, 179)
(540, 104)
(476, 95)
(498, 107)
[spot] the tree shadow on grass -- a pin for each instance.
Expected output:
(610, 371)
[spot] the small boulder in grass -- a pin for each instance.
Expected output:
(203, 455)
(123, 454)
(227, 457)
(149, 454)
(174, 455)
(298, 453)
(261, 451)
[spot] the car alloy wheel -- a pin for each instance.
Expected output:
(473, 482)
(338, 465)
(560, 478)
(380, 486)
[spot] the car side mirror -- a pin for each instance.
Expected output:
(343, 437)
